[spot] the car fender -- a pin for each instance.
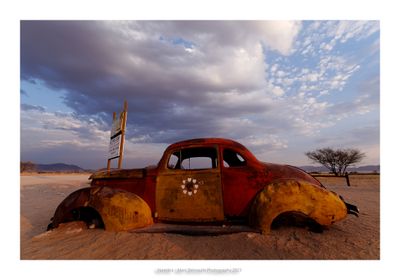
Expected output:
(118, 209)
(283, 196)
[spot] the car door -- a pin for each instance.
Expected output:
(189, 186)
(239, 182)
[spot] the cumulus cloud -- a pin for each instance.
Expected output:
(56, 129)
(59, 137)
(147, 63)
(327, 72)
(345, 30)
(187, 79)
(323, 36)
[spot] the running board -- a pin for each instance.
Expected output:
(195, 229)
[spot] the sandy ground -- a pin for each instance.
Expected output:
(353, 238)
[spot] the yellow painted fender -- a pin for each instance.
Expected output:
(321, 205)
(120, 210)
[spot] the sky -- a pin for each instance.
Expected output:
(281, 88)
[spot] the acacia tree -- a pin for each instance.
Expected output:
(336, 161)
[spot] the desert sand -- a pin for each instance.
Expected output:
(352, 238)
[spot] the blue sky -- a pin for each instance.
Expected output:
(281, 88)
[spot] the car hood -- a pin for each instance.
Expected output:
(283, 171)
(122, 173)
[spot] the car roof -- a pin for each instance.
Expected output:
(205, 141)
(209, 142)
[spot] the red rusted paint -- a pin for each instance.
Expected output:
(235, 184)
(143, 187)
(239, 184)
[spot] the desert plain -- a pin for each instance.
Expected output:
(355, 238)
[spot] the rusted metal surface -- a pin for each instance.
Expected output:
(118, 174)
(189, 196)
(138, 181)
(321, 205)
(119, 210)
(228, 183)
(64, 212)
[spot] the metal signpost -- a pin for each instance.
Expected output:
(117, 137)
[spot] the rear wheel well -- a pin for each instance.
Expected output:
(298, 219)
(89, 215)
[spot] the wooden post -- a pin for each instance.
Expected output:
(347, 179)
(121, 148)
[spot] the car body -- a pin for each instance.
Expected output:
(207, 180)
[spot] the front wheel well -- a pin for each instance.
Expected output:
(88, 215)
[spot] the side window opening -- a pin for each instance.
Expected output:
(173, 161)
(233, 159)
(194, 158)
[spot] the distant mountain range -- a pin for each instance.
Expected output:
(58, 167)
(365, 168)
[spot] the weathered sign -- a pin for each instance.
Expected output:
(116, 146)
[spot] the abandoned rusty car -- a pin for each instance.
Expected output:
(201, 181)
